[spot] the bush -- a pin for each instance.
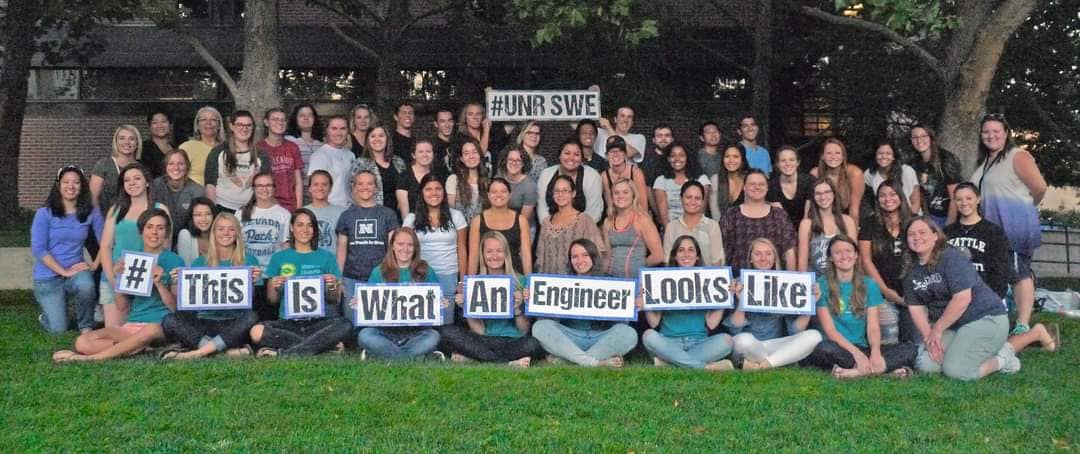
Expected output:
(1070, 218)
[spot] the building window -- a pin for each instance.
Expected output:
(53, 84)
(216, 12)
(815, 118)
(326, 85)
(431, 85)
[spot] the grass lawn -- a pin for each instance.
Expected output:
(338, 403)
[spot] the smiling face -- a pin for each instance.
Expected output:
(833, 155)
(225, 231)
(843, 256)
(693, 201)
(404, 249)
(732, 159)
(444, 123)
(686, 254)
(474, 116)
(434, 194)
(364, 187)
(616, 157)
(748, 129)
(563, 193)
(305, 118)
(70, 186)
(824, 196)
(154, 232)
(302, 229)
(498, 194)
(405, 116)
(202, 216)
(515, 162)
(885, 156)
(624, 120)
(570, 157)
(755, 187)
(209, 123)
(788, 162)
(921, 238)
(662, 137)
(920, 139)
(424, 154)
(967, 203)
(993, 135)
(275, 123)
(888, 199)
(264, 189)
(494, 254)
(622, 194)
(337, 132)
(677, 159)
(243, 128)
(135, 183)
(176, 167)
(710, 136)
(762, 256)
(319, 187)
(470, 156)
(580, 259)
(361, 119)
(126, 143)
(376, 139)
(587, 135)
(160, 127)
(531, 138)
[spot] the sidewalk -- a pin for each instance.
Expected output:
(16, 266)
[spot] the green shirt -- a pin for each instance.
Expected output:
(291, 263)
(853, 328)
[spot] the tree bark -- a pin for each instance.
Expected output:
(259, 88)
(761, 30)
(17, 41)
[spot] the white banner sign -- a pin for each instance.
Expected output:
(668, 289)
(305, 297)
(777, 292)
(137, 279)
(214, 288)
(411, 304)
(518, 105)
(582, 297)
(488, 296)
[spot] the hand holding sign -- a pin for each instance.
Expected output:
(304, 297)
(136, 274)
(214, 288)
(777, 292)
(488, 297)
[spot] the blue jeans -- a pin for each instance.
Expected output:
(689, 352)
(584, 347)
(448, 284)
(52, 294)
(398, 343)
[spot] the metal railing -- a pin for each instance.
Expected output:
(1071, 235)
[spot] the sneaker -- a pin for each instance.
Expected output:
(1010, 364)
(438, 356)
(1019, 329)
(363, 355)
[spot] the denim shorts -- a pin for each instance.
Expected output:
(1021, 265)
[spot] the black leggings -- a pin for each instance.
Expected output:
(829, 353)
(304, 337)
(192, 331)
(488, 349)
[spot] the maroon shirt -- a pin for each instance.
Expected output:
(285, 160)
(739, 231)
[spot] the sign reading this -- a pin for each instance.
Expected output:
(518, 105)
(777, 292)
(405, 304)
(137, 278)
(667, 289)
(305, 297)
(582, 297)
(489, 296)
(214, 288)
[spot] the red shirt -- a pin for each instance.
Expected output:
(285, 160)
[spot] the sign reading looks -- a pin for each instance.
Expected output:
(202, 289)
(582, 297)
(137, 279)
(305, 297)
(517, 105)
(777, 292)
(667, 289)
(489, 296)
(411, 304)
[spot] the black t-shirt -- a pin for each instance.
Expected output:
(887, 252)
(153, 158)
(935, 183)
(598, 163)
(390, 183)
(795, 207)
(357, 148)
(403, 147)
(445, 155)
(652, 164)
(988, 249)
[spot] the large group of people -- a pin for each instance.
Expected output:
(915, 278)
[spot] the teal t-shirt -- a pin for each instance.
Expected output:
(504, 327)
(228, 314)
(291, 263)
(405, 276)
(851, 327)
(150, 309)
(684, 324)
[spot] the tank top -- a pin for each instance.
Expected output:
(819, 253)
(628, 250)
(513, 239)
(1007, 202)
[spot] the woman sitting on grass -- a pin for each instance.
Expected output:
(760, 338)
(143, 325)
(848, 309)
(306, 336)
(963, 323)
(495, 340)
(211, 331)
(585, 342)
(401, 265)
(682, 337)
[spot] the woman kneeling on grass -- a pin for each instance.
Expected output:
(963, 324)
(401, 265)
(849, 312)
(585, 342)
(495, 340)
(682, 337)
(306, 336)
(143, 325)
(212, 331)
(759, 338)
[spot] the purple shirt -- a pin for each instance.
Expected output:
(60, 237)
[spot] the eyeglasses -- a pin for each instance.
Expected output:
(514, 161)
(243, 125)
(264, 186)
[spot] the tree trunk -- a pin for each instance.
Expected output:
(761, 71)
(965, 101)
(388, 86)
(17, 42)
(260, 87)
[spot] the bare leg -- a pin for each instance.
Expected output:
(1024, 295)
(1039, 334)
(121, 343)
(207, 349)
(114, 317)
(614, 362)
(521, 363)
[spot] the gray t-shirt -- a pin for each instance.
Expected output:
(367, 230)
(522, 193)
(710, 163)
(107, 170)
(935, 286)
(328, 218)
(178, 202)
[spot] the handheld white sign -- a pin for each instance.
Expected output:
(582, 297)
(777, 292)
(214, 288)
(518, 105)
(137, 279)
(305, 297)
(698, 288)
(405, 304)
(489, 296)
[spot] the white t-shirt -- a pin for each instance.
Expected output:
(672, 189)
(439, 247)
(909, 180)
(634, 140)
(337, 161)
(264, 231)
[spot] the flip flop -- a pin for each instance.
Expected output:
(902, 373)
(266, 352)
(1055, 333)
(63, 356)
(169, 354)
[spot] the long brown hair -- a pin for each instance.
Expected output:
(816, 225)
(464, 190)
(903, 213)
(843, 195)
(417, 266)
(857, 300)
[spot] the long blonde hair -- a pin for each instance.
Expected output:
(766, 242)
(635, 205)
(508, 264)
(239, 251)
(857, 300)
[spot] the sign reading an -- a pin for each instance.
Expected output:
(489, 296)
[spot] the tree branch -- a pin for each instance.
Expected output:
(431, 12)
(725, 9)
(214, 63)
(929, 59)
(363, 8)
(354, 42)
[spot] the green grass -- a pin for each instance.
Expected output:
(339, 403)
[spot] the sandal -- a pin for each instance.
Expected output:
(1019, 329)
(240, 352)
(266, 352)
(63, 356)
(902, 373)
(1055, 333)
(169, 353)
